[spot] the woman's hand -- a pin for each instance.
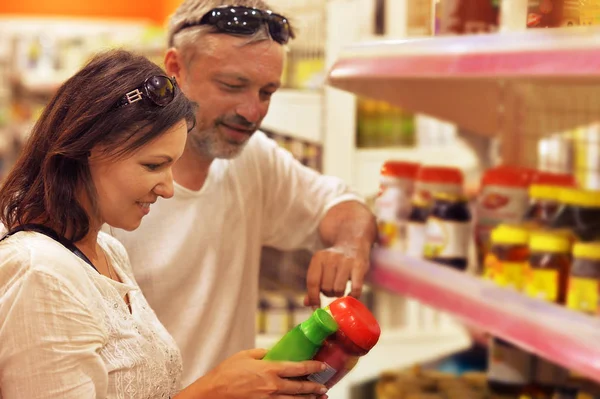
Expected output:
(246, 376)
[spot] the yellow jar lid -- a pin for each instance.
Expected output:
(587, 250)
(450, 197)
(549, 242)
(545, 192)
(577, 197)
(507, 234)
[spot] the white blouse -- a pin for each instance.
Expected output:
(66, 331)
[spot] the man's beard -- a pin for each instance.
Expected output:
(211, 144)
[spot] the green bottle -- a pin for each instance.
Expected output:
(304, 340)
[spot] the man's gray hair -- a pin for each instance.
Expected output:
(191, 11)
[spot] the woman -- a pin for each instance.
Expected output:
(73, 322)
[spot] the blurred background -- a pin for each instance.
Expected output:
(504, 83)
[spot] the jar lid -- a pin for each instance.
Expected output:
(587, 250)
(356, 322)
(549, 242)
(553, 179)
(578, 197)
(407, 170)
(545, 192)
(507, 176)
(440, 174)
(319, 326)
(508, 234)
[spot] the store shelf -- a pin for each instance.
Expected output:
(296, 113)
(567, 338)
(369, 161)
(394, 351)
(470, 80)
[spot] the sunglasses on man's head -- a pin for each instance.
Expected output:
(246, 21)
(159, 89)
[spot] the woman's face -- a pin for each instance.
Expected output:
(127, 186)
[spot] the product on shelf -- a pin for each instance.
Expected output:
(506, 262)
(580, 213)
(544, 196)
(549, 267)
(381, 124)
(466, 16)
(427, 384)
(509, 367)
(303, 341)
(448, 231)
(545, 202)
(357, 334)
(392, 206)
(584, 281)
(415, 228)
(503, 199)
(438, 179)
(273, 313)
(558, 13)
(307, 153)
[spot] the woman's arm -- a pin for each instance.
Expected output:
(50, 339)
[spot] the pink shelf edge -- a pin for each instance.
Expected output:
(562, 336)
(519, 64)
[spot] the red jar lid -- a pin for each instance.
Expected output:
(507, 176)
(400, 169)
(554, 179)
(356, 322)
(440, 174)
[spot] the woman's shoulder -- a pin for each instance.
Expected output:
(29, 253)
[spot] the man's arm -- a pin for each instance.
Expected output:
(348, 229)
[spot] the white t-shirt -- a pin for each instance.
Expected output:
(196, 256)
(66, 331)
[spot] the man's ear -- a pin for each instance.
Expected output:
(174, 65)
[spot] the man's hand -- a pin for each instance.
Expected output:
(332, 268)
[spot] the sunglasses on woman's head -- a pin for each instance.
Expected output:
(246, 21)
(159, 89)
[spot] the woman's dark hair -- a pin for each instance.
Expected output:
(53, 169)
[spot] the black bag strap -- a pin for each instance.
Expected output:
(38, 228)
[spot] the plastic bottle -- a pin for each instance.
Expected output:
(549, 265)
(509, 367)
(584, 281)
(392, 206)
(580, 213)
(506, 263)
(544, 195)
(358, 333)
(304, 340)
(503, 199)
(448, 231)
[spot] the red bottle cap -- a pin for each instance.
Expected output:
(507, 176)
(400, 169)
(440, 174)
(356, 322)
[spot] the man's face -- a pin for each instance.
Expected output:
(232, 85)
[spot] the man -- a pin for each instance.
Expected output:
(237, 191)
